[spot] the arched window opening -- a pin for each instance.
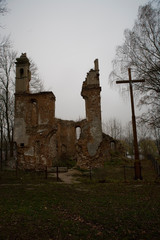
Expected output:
(34, 112)
(113, 145)
(34, 101)
(78, 132)
(21, 72)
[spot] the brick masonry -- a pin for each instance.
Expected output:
(42, 139)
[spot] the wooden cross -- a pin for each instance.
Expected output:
(137, 163)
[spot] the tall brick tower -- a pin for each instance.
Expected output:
(91, 94)
(23, 74)
(34, 122)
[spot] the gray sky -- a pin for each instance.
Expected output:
(64, 37)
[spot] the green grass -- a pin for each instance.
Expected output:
(32, 207)
(114, 172)
(24, 177)
(48, 210)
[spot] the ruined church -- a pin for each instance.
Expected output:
(44, 140)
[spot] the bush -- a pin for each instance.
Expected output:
(100, 174)
(65, 161)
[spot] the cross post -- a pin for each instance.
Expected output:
(137, 163)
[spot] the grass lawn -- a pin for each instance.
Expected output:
(38, 208)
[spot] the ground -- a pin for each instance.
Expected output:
(70, 177)
(32, 207)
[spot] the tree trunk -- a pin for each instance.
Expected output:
(1, 150)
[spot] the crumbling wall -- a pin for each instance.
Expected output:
(91, 138)
(35, 129)
(66, 138)
(107, 147)
(91, 94)
(42, 140)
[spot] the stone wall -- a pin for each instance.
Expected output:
(43, 140)
(35, 129)
(66, 138)
(89, 144)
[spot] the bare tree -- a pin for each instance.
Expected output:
(3, 11)
(1, 138)
(156, 132)
(7, 88)
(128, 137)
(113, 127)
(148, 147)
(141, 52)
(7, 63)
(3, 7)
(36, 83)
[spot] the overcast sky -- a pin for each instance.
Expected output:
(64, 37)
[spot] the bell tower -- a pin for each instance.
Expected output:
(23, 74)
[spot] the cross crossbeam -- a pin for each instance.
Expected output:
(137, 163)
(128, 81)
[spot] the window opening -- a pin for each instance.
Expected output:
(113, 145)
(33, 101)
(21, 72)
(78, 133)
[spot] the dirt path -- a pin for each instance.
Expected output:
(70, 176)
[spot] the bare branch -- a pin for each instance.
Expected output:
(141, 52)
